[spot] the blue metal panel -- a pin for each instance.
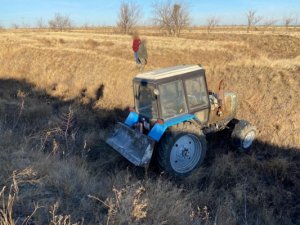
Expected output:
(159, 129)
(132, 119)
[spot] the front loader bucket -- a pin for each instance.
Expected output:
(133, 145)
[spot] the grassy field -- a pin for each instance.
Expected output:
(62, 92)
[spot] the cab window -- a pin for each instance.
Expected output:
(172, 99)
(196, 92)
(145, 99)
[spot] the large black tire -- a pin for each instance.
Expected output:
(186, 131)
(243, 135)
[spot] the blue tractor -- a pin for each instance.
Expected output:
(173, 113)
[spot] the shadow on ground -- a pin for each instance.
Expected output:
(266, 181)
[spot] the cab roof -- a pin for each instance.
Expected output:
(167, 73)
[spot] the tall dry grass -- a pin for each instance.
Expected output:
(74, 86)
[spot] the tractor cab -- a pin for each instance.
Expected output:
(168, 93)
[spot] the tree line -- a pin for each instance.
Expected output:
(170, 18)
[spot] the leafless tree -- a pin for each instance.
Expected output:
(162, 16)
(86, 26)
(129, 15)
(171, 17)
(296, 23)
(252, 19)
(289, 21)
(25, 25)
(15, 26)
(270, 23)
(60, 22)
(180, 18)
(211, 23)
(40, 23)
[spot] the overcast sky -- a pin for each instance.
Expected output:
(101, 12)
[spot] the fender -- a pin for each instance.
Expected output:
(159, 129)
(132, 119)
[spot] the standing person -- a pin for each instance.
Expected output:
(136, 41)
(143, 54)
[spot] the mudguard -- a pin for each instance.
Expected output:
(132, 119)
(159, 129)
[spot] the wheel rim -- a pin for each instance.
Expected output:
(248, 140)
(185, 153)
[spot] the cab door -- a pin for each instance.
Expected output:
(197, 97)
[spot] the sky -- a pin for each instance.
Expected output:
(101, 12)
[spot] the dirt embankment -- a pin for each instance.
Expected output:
(60, 94)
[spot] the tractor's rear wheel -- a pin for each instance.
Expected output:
(243, 135)
(181, 150)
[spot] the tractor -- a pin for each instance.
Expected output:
(173, 112)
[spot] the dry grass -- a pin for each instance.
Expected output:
(73, 86)
(90, 43)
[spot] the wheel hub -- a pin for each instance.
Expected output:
(185, 153)
(182, 153)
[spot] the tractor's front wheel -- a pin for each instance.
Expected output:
(181, 150)
(243, 135)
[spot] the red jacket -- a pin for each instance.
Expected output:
(136, 44)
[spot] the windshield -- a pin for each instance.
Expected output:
(145, 100)
(172, 99)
